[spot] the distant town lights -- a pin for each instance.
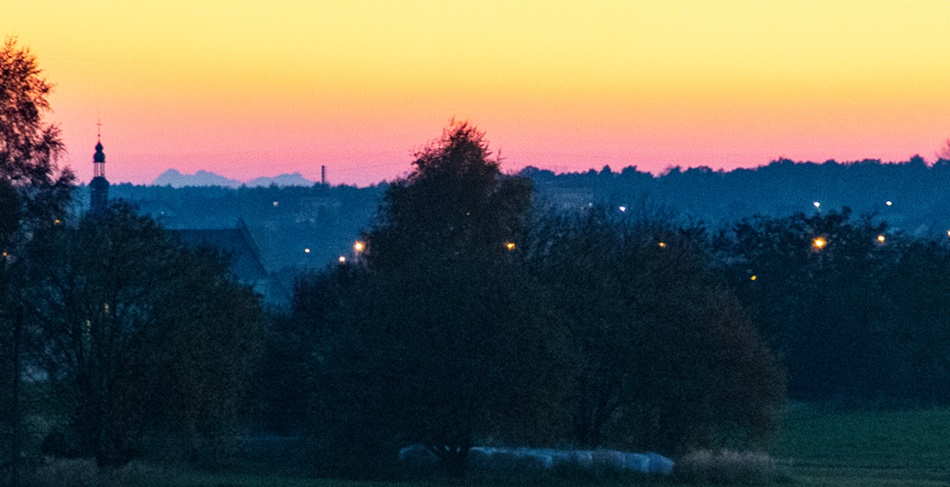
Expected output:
(819, 243)
(510, 245)
(817, 205)
(359, 247)
(881, 238)
(888, 203)
(342, 259)
(306, 251)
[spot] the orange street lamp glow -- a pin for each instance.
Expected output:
(819, 243)
(342, 259)
(359, 247)
(881, 238)
(753, 277)
(510, 245)
(662, 245)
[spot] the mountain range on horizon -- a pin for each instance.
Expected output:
(176, 179)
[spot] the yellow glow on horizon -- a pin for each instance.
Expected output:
(659, 82)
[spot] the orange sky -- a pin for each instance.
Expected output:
(252, 88)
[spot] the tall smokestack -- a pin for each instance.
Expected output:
(323, 175)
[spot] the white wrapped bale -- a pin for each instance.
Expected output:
(660, 464)
(583, 459)
(562, 460)
(608, 461)
(636, 462)
(416, 454)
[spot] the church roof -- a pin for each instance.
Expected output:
(235, 242)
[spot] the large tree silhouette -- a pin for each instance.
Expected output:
(441, 340)
(668, 360)
(140, 334)
(33, 195)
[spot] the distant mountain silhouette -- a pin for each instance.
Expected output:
(176, 179)
(284, 180)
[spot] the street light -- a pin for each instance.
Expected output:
(510, 246)
(819, 243)
(359, 247)
(881, 238)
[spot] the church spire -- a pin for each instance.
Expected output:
(99, 186)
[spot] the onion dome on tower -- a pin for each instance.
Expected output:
(99, 186)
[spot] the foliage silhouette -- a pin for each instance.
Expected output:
(34, 194)
(140, 334)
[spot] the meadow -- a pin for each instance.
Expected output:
(816, 447)
(879, 448)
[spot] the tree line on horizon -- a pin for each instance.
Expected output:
(326, 219)
(474, 313)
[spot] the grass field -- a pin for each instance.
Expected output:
(900, 448)
(820, 447)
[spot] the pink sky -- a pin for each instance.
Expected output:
(250, 88)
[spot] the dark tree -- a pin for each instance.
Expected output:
(141, 334)
(669, 360)
(454, 205)
(817, 293)
(33, 195)
(441, 339)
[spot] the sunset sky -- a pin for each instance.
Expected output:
(249, 88)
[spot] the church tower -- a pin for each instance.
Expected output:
(99, 186)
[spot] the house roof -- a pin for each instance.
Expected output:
(235, 242)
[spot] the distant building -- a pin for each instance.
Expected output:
(235, 242)
(99, 186)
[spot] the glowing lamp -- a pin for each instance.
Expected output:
(819, 243)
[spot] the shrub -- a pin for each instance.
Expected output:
(728, 467)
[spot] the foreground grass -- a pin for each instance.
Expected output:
(899, 448)
(823, 448)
